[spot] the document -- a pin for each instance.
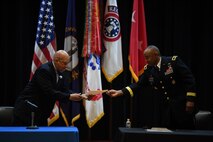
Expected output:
(158, 129)
(95, 92)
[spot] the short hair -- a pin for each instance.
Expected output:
(154, 48)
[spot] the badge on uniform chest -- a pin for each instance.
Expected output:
(151, 79)
(169, 70)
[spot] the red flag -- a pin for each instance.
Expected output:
(138, 40)
(45, 45)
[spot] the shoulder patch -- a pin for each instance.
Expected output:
(174, 58)
(145, 67)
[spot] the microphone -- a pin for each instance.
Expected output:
(33, 108)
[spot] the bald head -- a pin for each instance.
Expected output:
(61, 55)
(61, 58)
(152, 55)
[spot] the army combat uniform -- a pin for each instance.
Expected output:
(171, 86)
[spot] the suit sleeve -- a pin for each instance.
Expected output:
(45, 81)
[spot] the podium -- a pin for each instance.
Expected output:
(42, 134)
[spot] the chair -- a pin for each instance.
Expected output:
(6, 115)
(204, 120)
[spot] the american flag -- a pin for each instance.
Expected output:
(45, 45)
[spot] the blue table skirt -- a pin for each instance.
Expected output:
(42, 134)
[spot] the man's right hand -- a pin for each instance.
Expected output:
(75, 97)
(79, 96)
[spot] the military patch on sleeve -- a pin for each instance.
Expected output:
(174, 58)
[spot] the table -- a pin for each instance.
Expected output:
(148, 135)
(42, 134)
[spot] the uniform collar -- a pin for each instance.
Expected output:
(159, 63)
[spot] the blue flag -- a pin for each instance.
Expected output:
(71, 112)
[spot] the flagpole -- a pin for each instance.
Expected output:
(89, 134)
(110, 116)
(113, 49)
(131, 104)
(138, 43)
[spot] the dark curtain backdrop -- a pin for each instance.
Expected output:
(177, 27)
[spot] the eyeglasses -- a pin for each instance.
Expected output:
(64, 62)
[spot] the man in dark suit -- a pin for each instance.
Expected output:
(41, 93)
(172, 88)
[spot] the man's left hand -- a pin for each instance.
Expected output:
(189, 106)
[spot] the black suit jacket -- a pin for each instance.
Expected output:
(43, 91)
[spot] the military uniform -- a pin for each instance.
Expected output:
(172, 85)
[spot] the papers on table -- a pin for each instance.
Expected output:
(158, 129)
